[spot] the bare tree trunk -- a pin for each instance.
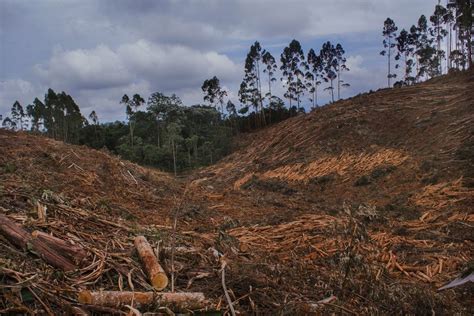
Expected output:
(338, 84)
(259, 86)
(449, 46)
(389, 56)
(316, 93)
(406, 67)
(332, 90)
(269, 98)
(469, 48)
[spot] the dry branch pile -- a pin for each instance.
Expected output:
(68, 223)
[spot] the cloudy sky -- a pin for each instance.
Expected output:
(97, 50)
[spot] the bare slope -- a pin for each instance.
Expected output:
(373, 148)
(356, 197)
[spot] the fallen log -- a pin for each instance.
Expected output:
(13, 232)
(155, 272)
(49, 255)
(74, 252)
(22, 239)
(176, 301)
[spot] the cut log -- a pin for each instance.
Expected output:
(49, 255)
(22, 239)
(13, 232)
(155, 272)
(176, 301)
(74, 252)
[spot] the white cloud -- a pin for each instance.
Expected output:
(16, 89)
(175, 66)
(97, 68)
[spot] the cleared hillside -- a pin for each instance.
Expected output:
(395, 167)
(369, 200)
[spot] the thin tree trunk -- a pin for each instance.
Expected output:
(270, 98)
(389, 55)
(338, 84)
(469, 48)
(406, 68)
(332, 90)
(259, 87)
(440, 68)
(316, 93)
(158, 135)
(449, 44)
(173, 149)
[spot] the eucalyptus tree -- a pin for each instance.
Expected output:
(36, 112)
(389, 33)
(293, 69)
(131, 106)
(231, 109)
(51, 112)
(18, 114)
(287, 75)
(71, 119)
(328, 55)
(438, 31)
(426, 53)
(162, 107)
(174, 136)
(232, 114)
(449, 20)
(414, 44)
(95, 122)
(191, 144)
(405, 49)
(94, 118)
(464, 19)
(213, 93)
(340, 63)
(314, 75)
(252, 79)
(8, 123)
(244, 97)
(270, 69)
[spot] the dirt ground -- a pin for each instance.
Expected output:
(368, 202)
